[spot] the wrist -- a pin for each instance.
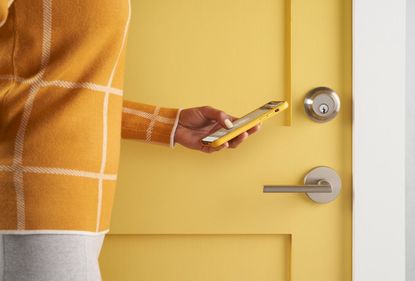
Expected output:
(179, 128)
(173, 134)
(179, 134)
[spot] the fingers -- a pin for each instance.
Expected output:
(254, 129)
(217, 115)
(208, 149)
(233, 143)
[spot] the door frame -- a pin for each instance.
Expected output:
(378, 140)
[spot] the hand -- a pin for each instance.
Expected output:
(198, 122)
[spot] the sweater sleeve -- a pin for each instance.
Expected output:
(4, 10)
(149, 123)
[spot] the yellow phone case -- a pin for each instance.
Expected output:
(262, 113)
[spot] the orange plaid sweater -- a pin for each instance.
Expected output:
(62, 114)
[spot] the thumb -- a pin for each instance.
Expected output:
(217, 115)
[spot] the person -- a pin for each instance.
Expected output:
(62, 116)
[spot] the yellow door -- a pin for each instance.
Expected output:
(183, 215)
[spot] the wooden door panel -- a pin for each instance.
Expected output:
(197, 257)
(235, 55)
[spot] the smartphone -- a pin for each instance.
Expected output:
(245, 123)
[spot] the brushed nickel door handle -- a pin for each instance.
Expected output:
(322, 185)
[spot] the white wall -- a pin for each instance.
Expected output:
(410, 140)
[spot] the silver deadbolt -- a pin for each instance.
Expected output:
(322, 104)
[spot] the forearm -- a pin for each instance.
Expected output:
(149, 123)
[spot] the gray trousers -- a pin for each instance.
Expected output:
(50, 257)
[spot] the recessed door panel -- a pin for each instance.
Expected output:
(197, 257)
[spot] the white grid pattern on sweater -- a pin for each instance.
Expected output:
(33, 90)
(149, 131)
(57, 171)
(36, 83)
(150, 116)
(64, 84)
(105, 118)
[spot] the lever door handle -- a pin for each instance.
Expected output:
(322, 185)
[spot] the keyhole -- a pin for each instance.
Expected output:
(324, 108)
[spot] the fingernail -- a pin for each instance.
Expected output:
(228, 123)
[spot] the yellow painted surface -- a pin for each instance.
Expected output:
(178, 212)
(209, 257)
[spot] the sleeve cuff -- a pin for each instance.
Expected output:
(173, 131)
(149, 123)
